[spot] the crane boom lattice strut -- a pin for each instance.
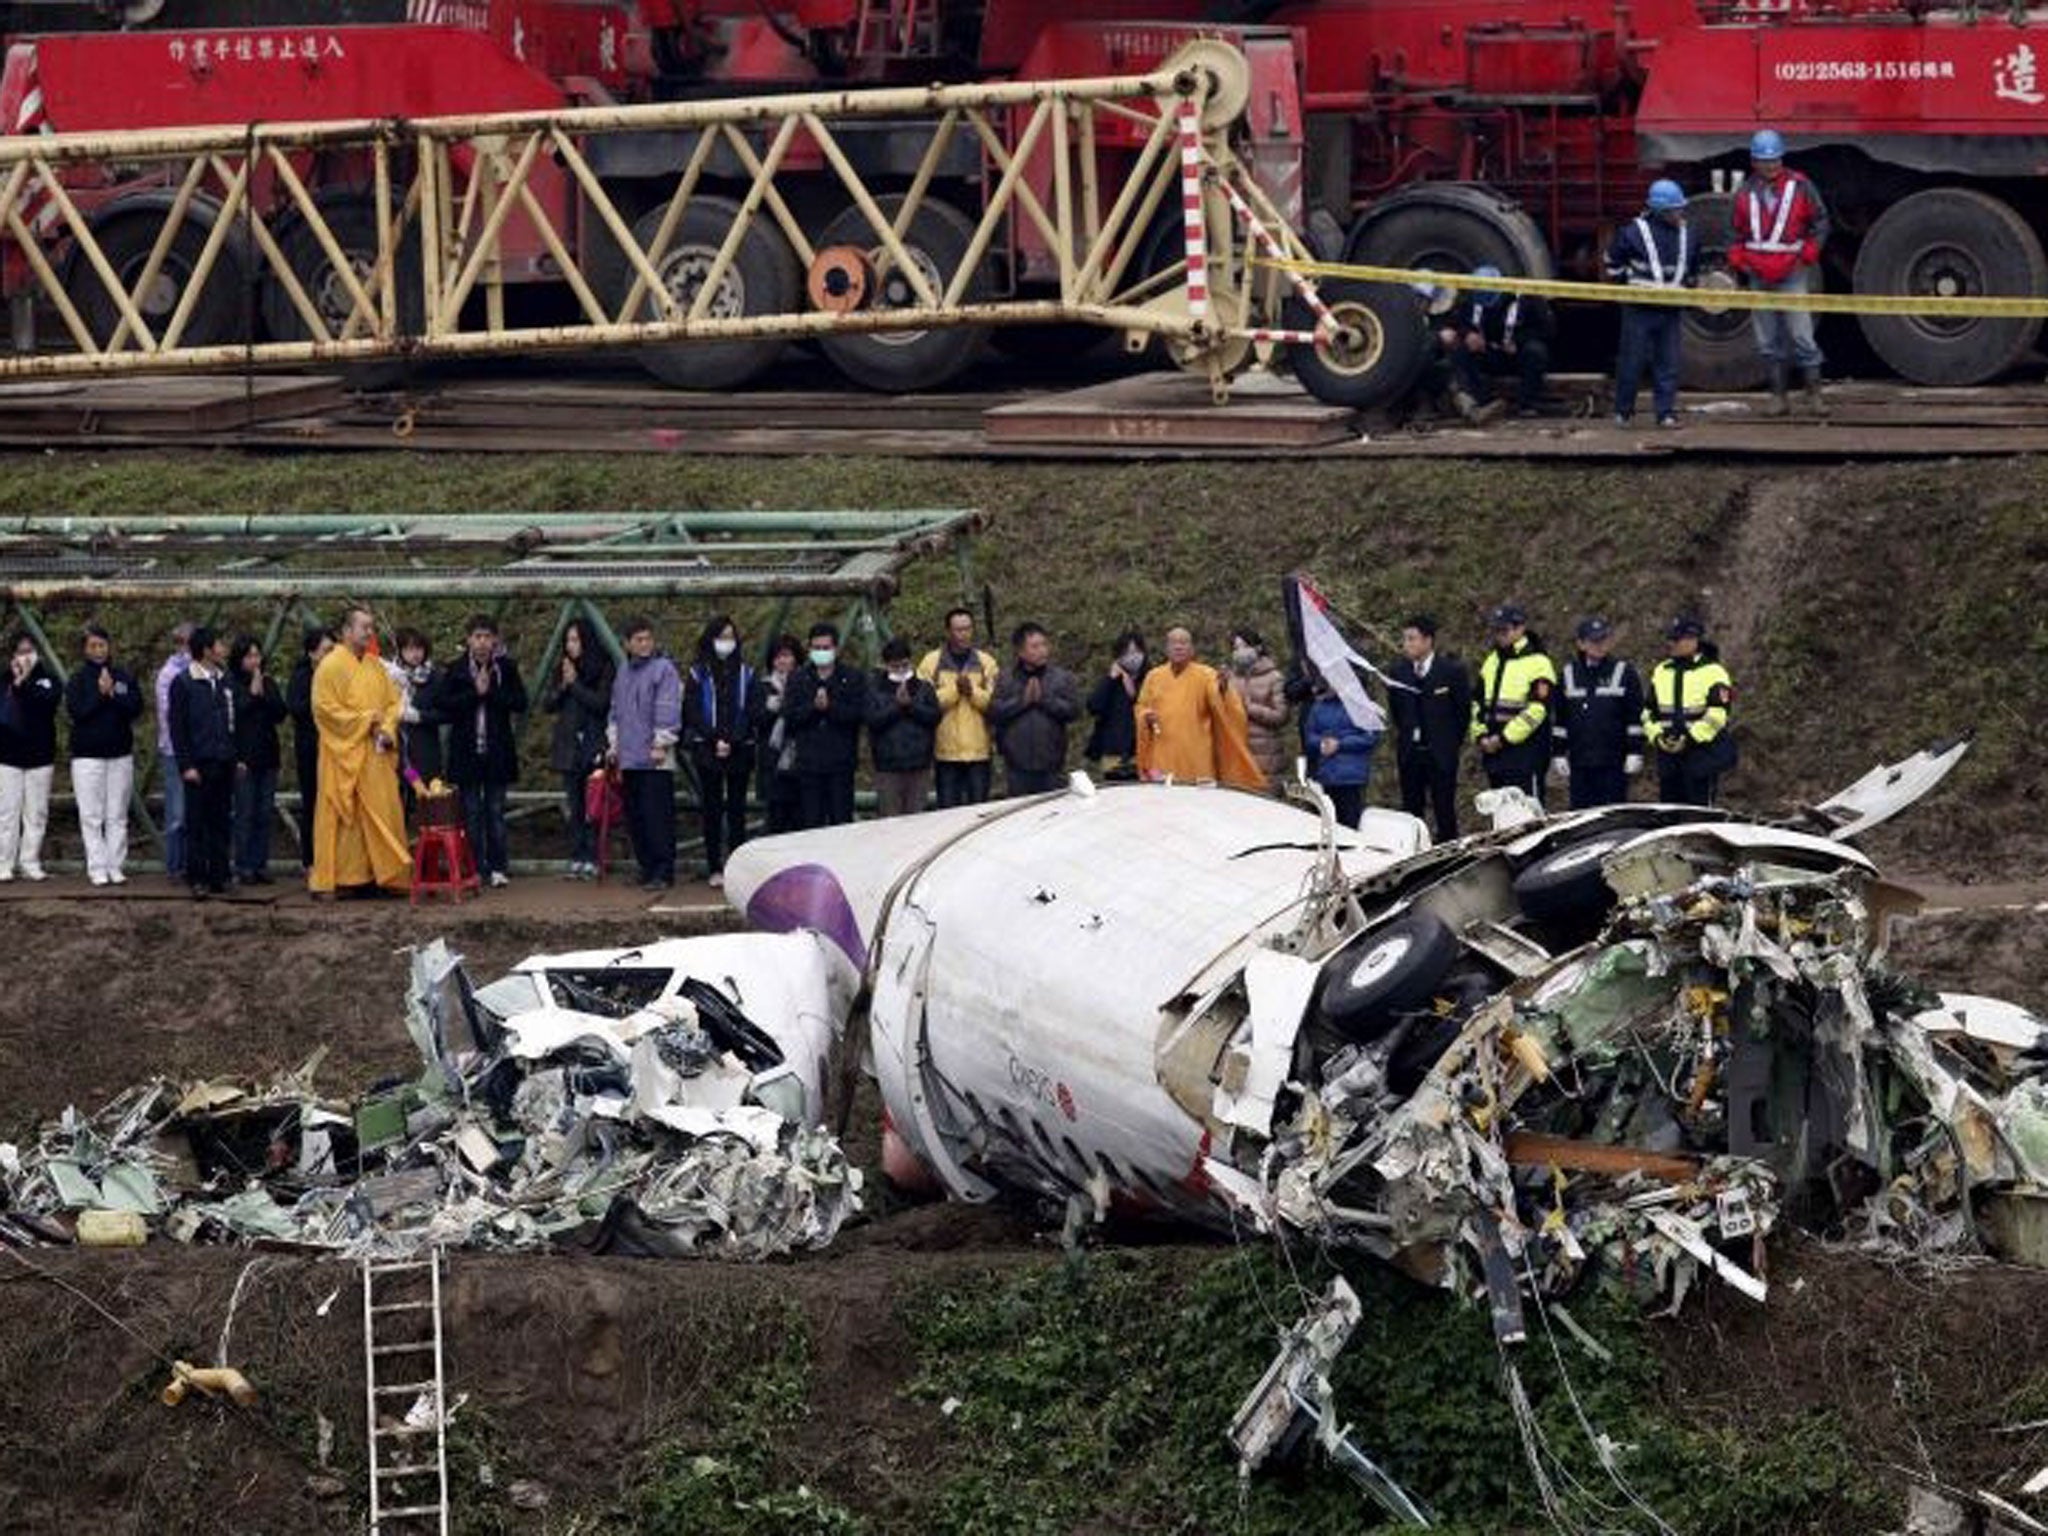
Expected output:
(419, 264)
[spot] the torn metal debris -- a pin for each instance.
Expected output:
(662, 1100)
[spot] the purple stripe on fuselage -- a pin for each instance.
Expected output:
(807, 897)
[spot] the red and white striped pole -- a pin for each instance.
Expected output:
(1193, 225)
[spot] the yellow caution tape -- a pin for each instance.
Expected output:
(1714, 300)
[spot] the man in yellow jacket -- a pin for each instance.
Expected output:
(1511, 704)
(965, 680)
(1686, 716)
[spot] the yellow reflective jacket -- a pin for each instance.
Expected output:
(1689, 697)
(963, 734)
(1513, 696)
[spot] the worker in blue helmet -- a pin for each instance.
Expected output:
(1488, 334)
(1780, 226)
(1652, 250)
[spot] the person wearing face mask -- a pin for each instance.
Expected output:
(1035, 702)
(964, 678)
(721, 701)
(903, 723)
(421, 753)
(826, 704)
(579, 697)
(29, 696)
(104, 704)
(1112, 702)
(1255, 679)
(479, 696)
(778, 789)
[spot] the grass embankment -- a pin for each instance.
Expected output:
(1864, 610)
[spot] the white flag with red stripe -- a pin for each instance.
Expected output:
(1329, 650)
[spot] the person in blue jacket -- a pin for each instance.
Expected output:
(1339, 753)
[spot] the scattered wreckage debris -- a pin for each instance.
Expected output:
(1627, 1041)
(664, 1100)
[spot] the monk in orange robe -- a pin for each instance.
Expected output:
(358, 823)
(1191, 725)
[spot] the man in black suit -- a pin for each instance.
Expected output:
(1432, 705)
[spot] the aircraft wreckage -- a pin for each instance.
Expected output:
(1628, 1039)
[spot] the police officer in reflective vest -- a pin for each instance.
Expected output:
(1780, 226)
(1597, 746)
(1652, 250)
(1686, 716)
(1511, 706)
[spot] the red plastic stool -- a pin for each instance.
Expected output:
(442, 864)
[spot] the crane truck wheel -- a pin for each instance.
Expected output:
(1374, 352)
(126, 241)
(1951, 242)
(1719, 351)
(899, 362)
(352, 222)
(762, 279)
(1449, 227)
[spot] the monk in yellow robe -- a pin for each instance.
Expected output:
(1191, 725)
(358, 823)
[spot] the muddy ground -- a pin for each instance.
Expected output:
(1859, 628)
(579, 1369)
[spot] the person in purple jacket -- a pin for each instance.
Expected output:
(646, 722)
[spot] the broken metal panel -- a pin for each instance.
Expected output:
(641, 1132)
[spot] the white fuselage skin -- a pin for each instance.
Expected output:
(1025, 958)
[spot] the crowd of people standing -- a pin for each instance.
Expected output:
(371, 735)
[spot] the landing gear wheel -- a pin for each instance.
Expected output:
(1382, 974)
(1566, 884)
(1719, 351)
(1374, 355)
(899, 362)
(1950, 242)
(217, 317)
(762, 279)
(1449, 227)
(353, 224)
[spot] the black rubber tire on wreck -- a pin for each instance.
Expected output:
(1384, 973)
(1566, 884)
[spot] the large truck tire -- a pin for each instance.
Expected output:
(762, 279)
(1719, 351)
(901, 362)
(1378, 354)
(1449, 227)
(352, 222)
(1951, 242)
(218, 318)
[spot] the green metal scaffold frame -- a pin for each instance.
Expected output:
(306, 566)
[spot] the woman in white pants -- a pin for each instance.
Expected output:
(28, 756)
(104, 704)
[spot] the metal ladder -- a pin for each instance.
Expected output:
(389, 1309)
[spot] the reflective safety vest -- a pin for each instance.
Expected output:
(1690, 698)
(1650, 273)
(1772, 235)
(1789, 228)
(1513, 697)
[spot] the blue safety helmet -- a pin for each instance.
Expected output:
(1766, 144)
(1488, 297)
(1665, 195)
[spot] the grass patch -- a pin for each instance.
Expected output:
(1096, 1397)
